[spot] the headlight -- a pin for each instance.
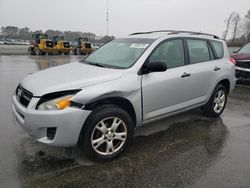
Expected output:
(56, 104)
(56, 101)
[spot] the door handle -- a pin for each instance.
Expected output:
(185, 75)
(216, 68)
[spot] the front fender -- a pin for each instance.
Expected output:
(113, 89)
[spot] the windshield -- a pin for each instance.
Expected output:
(245, 49)
(119, 53)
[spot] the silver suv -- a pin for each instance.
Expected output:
(97, 103)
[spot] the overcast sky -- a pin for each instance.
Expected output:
(126, 16)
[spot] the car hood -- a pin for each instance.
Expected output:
(68, 77)
(241, 56)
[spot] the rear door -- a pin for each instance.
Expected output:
(203, 68)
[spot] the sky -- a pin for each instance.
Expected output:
(125, 16)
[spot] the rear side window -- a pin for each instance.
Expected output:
(198, 51)
(218, 47)
(170, 52)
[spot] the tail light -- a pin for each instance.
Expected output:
(232, 60)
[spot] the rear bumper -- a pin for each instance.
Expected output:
(68, 123)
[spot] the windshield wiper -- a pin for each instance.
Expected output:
(95, 64)
(98, 65)
(102, 65)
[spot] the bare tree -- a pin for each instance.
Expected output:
(247, 26)
(235, 23)
(228, 22)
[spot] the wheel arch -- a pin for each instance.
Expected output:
(121, 102)
(226, 84)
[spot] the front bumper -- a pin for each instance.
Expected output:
(65, 50)
(68, 123)
(242, 72)
(47, 50)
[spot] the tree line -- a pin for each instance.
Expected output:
(237, 32)
(13, 32)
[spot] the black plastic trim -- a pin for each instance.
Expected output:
(76, 104)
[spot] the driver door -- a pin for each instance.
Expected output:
(165, 92)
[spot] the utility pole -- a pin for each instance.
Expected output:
(107, 17)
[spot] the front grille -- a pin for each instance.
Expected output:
(51, 132)
(66, 45)
(49, 44)
(242, 74)
(243, 64)
(23, 96)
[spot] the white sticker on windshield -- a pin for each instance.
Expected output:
(136, 45)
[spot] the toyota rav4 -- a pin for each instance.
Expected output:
(97, 103)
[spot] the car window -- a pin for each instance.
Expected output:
(170, 52)
(218, 47)
(245, 49)
(198, 51)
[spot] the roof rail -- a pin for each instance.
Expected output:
(176, 32)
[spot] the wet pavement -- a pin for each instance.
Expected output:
(187, 150)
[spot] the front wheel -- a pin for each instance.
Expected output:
(106, 133)
(217, 102)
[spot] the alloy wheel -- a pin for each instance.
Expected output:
(109, 135)
(219, 101)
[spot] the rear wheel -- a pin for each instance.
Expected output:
(79, 51)
(106, 133)
(217, 102)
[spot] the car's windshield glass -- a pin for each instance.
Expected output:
(119, 53)
(245, 49)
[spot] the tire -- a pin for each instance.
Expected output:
(79, 51)
(38, 52)
(29, 51)
(217, 102)
(113, 140)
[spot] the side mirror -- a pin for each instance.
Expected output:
(158, 66)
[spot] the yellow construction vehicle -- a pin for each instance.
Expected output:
(61, 46)
(82, 46)
(40, 45)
